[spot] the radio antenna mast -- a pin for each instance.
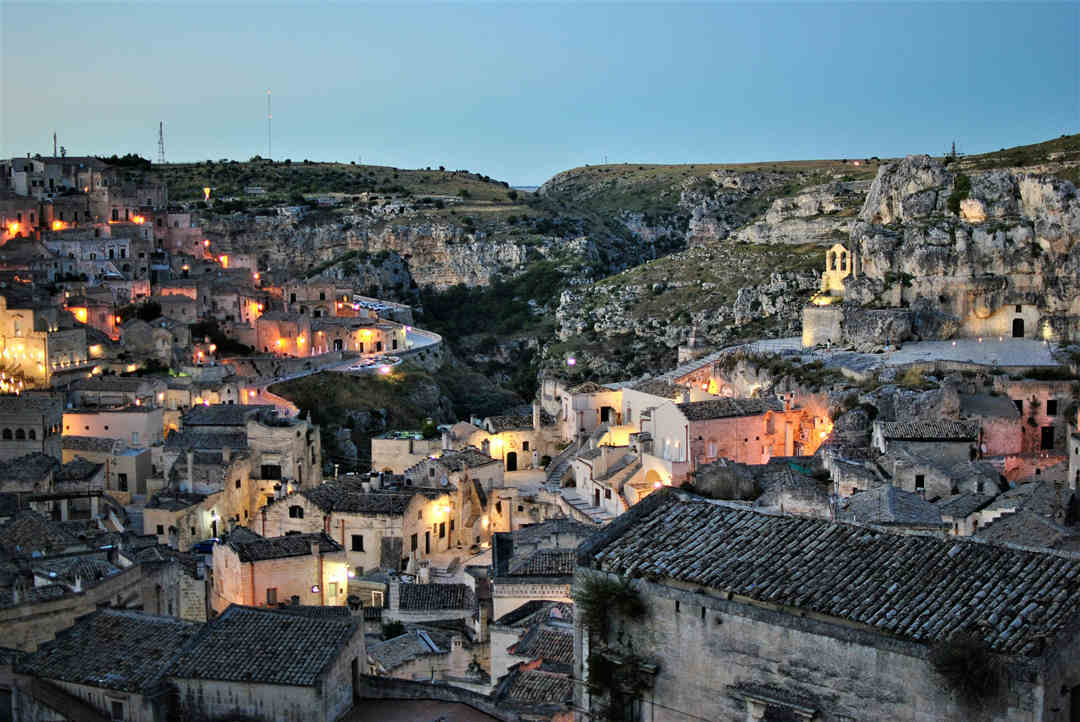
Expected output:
(269, 139)
(161, 143)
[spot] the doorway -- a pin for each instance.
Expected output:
(596, 497)
(1018, 328)
(355, 680)
(511, 461)
(1046, 443)
(427, 542)
(337, 344)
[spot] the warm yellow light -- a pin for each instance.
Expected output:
(184, 267)
(198, 400)
(58, 225)
(80, 314)
(224, 261)
(200, 355)
(255, 276)
(484, 522)
(161, 396)
(260, 307)
(206, 242)
(118, 319)
(206, 193)
(213, 347)
(13, 228)
(300, 340)
(279, 342)
(138, 220)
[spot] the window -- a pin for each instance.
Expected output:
(160, 529)
(237, 483)
(358, 542)
(121, 482)
(296, 512)
(451, 526)
(442, 530)
(1019, 308)
(271, 471)
(431, 472)
(192, 531)
(498, 507)
(413, 543)
(7, 435)
(20, 435)
(1051, 407)
(524, 445)
(31, 434)
(521, 508)
(920, 482)
(135, 437)
(1019, 405)
(420, 514)
(703, 614)
(677, 609)
(271, 596)
(607, 493)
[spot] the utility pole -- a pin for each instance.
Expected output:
(54, 144)
(161, 142)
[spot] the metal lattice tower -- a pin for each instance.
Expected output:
(269, 138)
(161, 143)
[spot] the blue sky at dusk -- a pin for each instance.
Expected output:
(522, 91)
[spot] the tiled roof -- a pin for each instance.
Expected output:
(126, 384)
(221, 415)
(467, 458)
(887, 504)
(544, 642)
(659, 387)
(727, 408)
(315, 611)
(986, 405)
(279, 547)
(201, 440)
(1040, 497)
(536, 533)
(930, 430)
(32, 467)
(78, 469)
(1027, 528)
(394, 652)
(422, 597)
(68, 570)
(114, 649)
(28, 531)
(537, 687)
(31, 404)
(96, 444)
(962, 506)
(589, 387)
(173, 500)
(902, 585)
(330, 496)
(264, 646)
(546, 563)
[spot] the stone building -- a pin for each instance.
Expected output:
(108, 391)
(112, 664)
(396, 451)
(283, 334)
(468, 475)
(429, 654)
(280, 664)
(30, 424)
(138, 426)
(38, 343)
(538, 629)
(848, 609)
(520, 441)
(378, 530)
(534, 563)
(253, 570)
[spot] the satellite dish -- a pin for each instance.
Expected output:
(444, 481)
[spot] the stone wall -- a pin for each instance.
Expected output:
(822, 325)
(713, 653)
(371, 687)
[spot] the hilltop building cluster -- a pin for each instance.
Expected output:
(855, 522)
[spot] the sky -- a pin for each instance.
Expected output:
(521, 91)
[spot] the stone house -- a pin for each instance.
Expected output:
(111, 391)
(137, 426)
(541, 567)
(945, 441)
(378, 530)
(253, 570)
(177, 307)
(126, 469)
(939, 477)
(361, 335)
(1001, 430)
(587, 406)
(961, 511)
(537, 630)
(283, 334)
(158, 339)
(30, 424)
(1043, 405)
(296, 665)
(851, 637)
(33, 473)
(601, 475)
(468, 475)
(396, 451)
(409, 602)
(429, 654)
(894, 508)
(520, 441)
(38, 342)
(112, 664)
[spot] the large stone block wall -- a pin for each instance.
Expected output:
(710, 648)
(822, 325)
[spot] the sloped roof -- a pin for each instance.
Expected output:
(547, 643)
(903, 585)
(394, 652)
(222, 414)
(887, 504)
(929, 430)
(536, 687)
(727, 408)
(424, 597)
(111, 648)
(332, 496)
(279, 547)
(961, 506)
(546, 563)
(32, 467)
(267, 646)
(28, 531)
(659, 387)
(467, 458)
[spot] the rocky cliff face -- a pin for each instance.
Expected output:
(820, 213)
(967, 244)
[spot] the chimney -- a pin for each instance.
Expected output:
(315, 547)
(536, 416)
(395, 593)
(191, 471)
(423, 574)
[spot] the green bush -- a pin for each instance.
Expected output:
(965, 661)
(961, 189)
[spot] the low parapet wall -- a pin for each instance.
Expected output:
(371, 687)
(430, 355)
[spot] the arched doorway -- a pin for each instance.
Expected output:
(337, 344)
(511, 461)
(1018, 328)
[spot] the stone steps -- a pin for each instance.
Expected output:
(596, 514)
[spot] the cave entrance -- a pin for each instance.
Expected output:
(1018, 328)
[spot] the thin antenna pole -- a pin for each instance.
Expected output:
(54, 144)
(161, 142)
(269, 138)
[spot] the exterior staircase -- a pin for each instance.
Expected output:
(583, 509)
(559, 465)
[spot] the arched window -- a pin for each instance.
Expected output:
(32, 435)
(296, 512)
(20, 435)
(7, 434)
